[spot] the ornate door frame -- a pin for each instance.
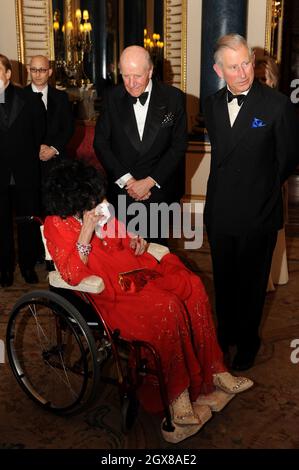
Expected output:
(274, 27)
(175, 39)
(34, 20)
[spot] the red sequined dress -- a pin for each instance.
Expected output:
(172, 312)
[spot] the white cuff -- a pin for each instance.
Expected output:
(156, 184)
(57, 153)
(122, 181)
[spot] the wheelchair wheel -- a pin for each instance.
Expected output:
(52, 352)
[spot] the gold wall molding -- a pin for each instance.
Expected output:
(175, 42)
(274, 28)
(34, 20)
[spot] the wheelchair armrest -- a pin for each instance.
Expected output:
(157, 251)
(90, 284)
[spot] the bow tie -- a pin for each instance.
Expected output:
(142, 98)
(240, 98)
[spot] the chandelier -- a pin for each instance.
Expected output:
(154, 46)
(71, 42)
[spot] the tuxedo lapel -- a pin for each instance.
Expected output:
(223, 131)
(16, 107)
(3, 118)
(127, 117)
(245, 115)
(51, 104)
(156, 110)
(242, 122)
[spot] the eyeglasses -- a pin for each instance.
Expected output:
(34, 70)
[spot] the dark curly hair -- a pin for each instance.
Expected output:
(73, 187)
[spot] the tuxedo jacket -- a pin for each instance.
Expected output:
(21, 134)
(162, 148)
(60, 122)
(249, 161)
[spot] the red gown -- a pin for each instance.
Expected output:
(171, 312)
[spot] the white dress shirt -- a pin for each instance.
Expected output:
(140, 112)
(234, 108)
(44, 92)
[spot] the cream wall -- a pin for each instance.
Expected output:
(256, 23)
(8, 35)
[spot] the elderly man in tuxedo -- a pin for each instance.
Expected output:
(60, 125)
(22, 126)
(253, 131)
(141, 137)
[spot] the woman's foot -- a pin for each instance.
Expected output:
(216, 400)
(231, 384)
(183, 431)
(181, 410)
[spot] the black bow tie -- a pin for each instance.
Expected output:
(142, 98)
(240, 98)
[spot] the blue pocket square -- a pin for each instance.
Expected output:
(257, 123)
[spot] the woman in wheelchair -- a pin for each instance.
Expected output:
(162, 303)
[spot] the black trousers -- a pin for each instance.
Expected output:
(241, 267)
(18, 202)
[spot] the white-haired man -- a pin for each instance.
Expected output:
(141, 136)
(253, 131)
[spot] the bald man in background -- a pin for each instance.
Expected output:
(141, 137)
(60, 123)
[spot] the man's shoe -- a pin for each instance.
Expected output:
(29, 276)
(6, 278)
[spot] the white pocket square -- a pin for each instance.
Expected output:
(168, 120)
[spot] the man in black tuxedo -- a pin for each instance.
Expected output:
(22, 126)
(141, 136)
(60, 123)
(254, 149)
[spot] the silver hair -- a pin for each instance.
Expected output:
(230, 41)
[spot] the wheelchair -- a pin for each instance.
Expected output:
(60, 349)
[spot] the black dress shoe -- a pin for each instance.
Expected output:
(6, 278)
(29, 276)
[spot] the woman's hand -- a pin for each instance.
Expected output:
(90, 220)
(139, 245)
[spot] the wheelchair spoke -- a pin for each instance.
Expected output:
(50, 352)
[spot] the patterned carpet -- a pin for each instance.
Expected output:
(264, 417)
